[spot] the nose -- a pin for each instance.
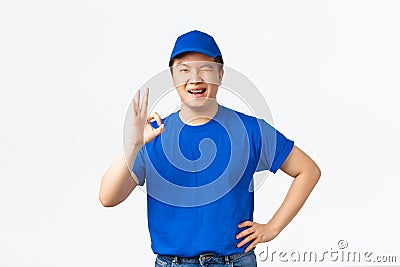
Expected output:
(195, 76)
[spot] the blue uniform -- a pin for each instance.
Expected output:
(199, 180)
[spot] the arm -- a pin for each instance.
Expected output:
(306, 173)
(119, 180)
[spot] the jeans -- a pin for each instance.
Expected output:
(209, 260)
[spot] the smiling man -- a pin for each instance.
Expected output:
(198, 164)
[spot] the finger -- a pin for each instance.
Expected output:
(154, 115)
(135, 102)
(159, 130)
(150, 117)
(252, 245)
(145, 102)
(246, 240)
(245, 232)
(137, 97)
(245, 223)
(135, 107)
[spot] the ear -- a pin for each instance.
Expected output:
(221, 74)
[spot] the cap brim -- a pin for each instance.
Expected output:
(193, 49)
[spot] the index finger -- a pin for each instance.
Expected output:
(154, 115)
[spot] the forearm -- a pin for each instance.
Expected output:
(118, 182)
(298, 193)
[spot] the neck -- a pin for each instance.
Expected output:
(197, 116)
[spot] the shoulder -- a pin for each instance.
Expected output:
(247, 120)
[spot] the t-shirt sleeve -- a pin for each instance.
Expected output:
(139, 167)
(275, 147)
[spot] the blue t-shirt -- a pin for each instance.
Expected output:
(199, 180)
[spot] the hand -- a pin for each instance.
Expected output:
(260, 233)
(142, 131)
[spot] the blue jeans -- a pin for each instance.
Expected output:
(209, 260)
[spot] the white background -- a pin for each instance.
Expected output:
(68, 70)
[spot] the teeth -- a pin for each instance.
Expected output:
(196, 91)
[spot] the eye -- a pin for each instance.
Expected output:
(183, 70)
(206, 69)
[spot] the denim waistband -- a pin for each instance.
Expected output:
(204, 257)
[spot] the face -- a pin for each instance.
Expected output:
(196, 77)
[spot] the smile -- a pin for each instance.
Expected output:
(196, 91)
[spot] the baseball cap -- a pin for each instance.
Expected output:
(196, 41)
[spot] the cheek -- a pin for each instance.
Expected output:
(178, 82)
(213, 89)
(181, 91)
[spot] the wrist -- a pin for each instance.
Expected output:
(133, 143)
(273, 228)
(132, 148)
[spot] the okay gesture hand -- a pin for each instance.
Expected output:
(142, 131)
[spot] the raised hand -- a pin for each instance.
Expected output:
(142, 131)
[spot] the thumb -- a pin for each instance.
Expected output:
(159, 130)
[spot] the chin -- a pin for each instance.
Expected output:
(198, 103)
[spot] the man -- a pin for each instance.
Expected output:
(207, 153)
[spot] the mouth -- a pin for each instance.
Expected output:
(198, 92)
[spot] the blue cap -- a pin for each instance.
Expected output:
(196, 41)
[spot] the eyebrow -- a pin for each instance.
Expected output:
(182, 64)
(210, 65)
